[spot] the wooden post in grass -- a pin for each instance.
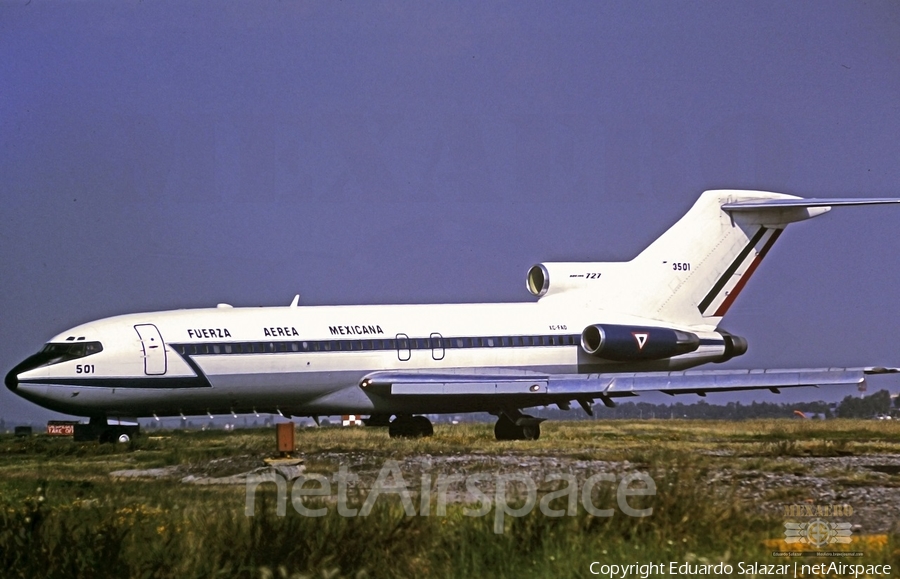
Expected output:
(284, 438)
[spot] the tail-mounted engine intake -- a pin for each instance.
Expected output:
(538, 280)
(556, 277)
(627, 343)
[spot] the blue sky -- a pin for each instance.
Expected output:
(160, 155)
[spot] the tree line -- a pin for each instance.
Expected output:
(877, 404)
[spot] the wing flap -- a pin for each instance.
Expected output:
(534, 388)
(462, 388)
(455, 384)
(733, 380)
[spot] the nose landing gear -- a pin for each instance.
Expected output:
(98, 429)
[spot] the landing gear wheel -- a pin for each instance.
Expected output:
(378, 420)
(113, 434)
(506, 429)
(423, 426)
(531, 432)
(410, 427)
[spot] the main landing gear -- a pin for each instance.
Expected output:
(511, 425)
(517, 426)
(406, 426)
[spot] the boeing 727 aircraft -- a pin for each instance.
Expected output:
(598, 331)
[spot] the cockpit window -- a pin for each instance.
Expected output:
(56, 353)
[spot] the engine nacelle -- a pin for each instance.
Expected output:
(556, 277)
(628, 343)
(734, 346)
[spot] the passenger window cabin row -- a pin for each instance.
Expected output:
(393, 344)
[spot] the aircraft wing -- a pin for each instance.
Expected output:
(523, 389)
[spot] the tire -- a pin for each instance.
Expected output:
(532, 432)
(505, 429)
(400, 427)
(422, 426)
(410, 427)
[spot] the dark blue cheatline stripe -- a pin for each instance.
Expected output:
(723, 280)
(201, 377)
(199, 381)
(382, 345)
(392, 344)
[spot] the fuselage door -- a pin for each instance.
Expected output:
(403, 351)
(437, 346)
(154, 349)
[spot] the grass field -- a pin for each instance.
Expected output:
(64, 515)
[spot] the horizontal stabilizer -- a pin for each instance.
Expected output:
(756, 204)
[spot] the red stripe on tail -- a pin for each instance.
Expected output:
(729, 299)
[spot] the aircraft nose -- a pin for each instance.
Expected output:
(26, 365)
(12, 379)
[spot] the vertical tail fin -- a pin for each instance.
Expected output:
(694, 271)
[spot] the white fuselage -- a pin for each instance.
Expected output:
(309, 360)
